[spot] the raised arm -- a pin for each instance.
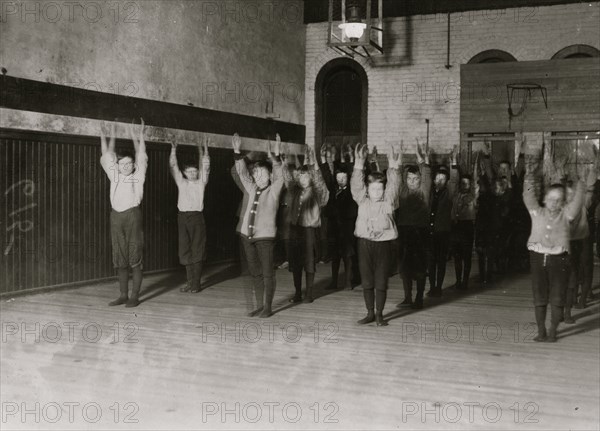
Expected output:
(244, 177)
(454, 174)
(357, 181)
(319, 184)
(141, 158)
(173, 165)
(278, 174)
(392, 188)
(110, 147)
(530, 184)
(475, 184)
(204, 159)
(108, 159)
(487, 162)
(574, 208)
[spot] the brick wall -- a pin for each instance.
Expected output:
(416, 85)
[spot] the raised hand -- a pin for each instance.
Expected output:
(323, 153)
(205, 145)
(487, 147)
(277, 146)
(360, 154)
(393, 158)
(236, 143)
(331, 152)
(476, 166)
(138, 141)
(454, 155)
(419, 154)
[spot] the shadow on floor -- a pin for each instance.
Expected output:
(174, 280)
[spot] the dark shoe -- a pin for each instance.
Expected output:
(349, 287)
(132, 302)
(405, 304)
(569, 320)
(332, 286)
(296, 299)
(265, 313)
(120, 300)
(379, 319)
(308, 299)
(417, 305)
(195, 289)
(551, 335)
(434, 293)
(581, 304)
(368, 319)
(541, 338)
(255, 312)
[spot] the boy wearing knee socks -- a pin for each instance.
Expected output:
(375, 229)
(127, 175)
(191, 184)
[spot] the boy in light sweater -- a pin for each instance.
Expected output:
(375, 229)
(127, 176)
(191, 184)
(549, 247)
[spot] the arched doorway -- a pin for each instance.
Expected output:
(341, 96)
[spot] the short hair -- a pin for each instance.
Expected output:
(263, 164)
(412, 169)
(444, 172)
(466, 177)
(340, 170)
(304, 169)
(504, 161)
(376, 177)
(125, 153)
(188, 164)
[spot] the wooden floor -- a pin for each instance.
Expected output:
(463, 362)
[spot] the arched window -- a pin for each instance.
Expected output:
(576, 51)
(492, 56)
(341, 95)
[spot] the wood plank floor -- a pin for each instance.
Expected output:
(194, 361)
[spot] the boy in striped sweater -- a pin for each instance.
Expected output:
(258, 220)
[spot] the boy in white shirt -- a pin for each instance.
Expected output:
(127, 175)
(191, 184)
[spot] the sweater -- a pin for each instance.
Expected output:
(258, 221)
(306, 204)
(413, 206)
(375, 221)
(550, 235)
